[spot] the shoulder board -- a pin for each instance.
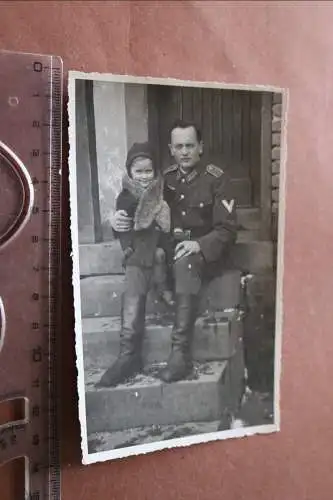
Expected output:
(171, 168)
(214, 170)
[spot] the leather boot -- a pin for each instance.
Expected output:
(180, 360)
(129, 361)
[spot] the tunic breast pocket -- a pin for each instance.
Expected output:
(202, 208)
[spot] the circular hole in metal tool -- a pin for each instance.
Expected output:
(13, 101)
(16, 198)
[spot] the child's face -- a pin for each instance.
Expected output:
(142, 171)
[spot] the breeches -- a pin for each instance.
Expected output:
(188, 274)
(137, 280)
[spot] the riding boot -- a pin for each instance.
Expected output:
(129, 361)
(180, 360)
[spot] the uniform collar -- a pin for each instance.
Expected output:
(192, 175)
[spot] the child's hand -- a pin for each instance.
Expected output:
(120, 221)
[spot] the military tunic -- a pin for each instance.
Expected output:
(201, 207)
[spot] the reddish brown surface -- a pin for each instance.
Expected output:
(287, 44)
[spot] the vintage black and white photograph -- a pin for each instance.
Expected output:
(177, 206)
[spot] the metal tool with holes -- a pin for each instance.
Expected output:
(30, 214)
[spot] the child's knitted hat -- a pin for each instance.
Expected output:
(139, 150)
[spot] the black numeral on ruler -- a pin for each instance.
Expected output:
(38, 67)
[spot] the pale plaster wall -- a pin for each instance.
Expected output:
(83, 169)
(121, 117)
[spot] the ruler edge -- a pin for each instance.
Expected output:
(53, 469)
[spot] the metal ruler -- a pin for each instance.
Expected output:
(30, 214)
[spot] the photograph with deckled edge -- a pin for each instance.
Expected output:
(177, 208)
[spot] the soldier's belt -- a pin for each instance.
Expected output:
(188, 234)
(181, 234)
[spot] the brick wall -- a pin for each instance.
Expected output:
(276, 143)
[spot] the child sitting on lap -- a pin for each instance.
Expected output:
(148, 250)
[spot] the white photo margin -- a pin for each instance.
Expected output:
(89, 458)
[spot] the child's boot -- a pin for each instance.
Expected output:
(129, 361)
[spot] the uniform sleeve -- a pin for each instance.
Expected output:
(168, 194)
(224, 232)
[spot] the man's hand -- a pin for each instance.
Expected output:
(185, 248)
(120, 221)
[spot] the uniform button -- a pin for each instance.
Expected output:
(183, 179)
(201, 205)
(183, 212)
(182, 196)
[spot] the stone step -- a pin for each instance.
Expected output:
(106, 441)
(100, 259)
(248, 218)
(101, 295)
(234, 391)
(106, 258)
(215, 339)
(252, 256)
(146, 400)
(248, 236)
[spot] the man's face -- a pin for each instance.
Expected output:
(185, 147)
(142, 171)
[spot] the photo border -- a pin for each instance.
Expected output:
(89, 458)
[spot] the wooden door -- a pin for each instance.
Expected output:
(230, 122)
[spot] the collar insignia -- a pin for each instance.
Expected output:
(191, 176)
(171, 168)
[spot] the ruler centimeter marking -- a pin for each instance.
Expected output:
(54, 258)
(37, 437)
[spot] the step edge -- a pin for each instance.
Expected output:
(229, 316)
(221, 367)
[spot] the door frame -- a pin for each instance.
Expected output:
(261, 151)
(266, 166)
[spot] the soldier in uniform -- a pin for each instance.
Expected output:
(203, 222)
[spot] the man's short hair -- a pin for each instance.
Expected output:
(186, 124)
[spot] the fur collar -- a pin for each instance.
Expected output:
(151, 206)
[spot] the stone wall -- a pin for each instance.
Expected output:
(120, 119)
(110, 117)
(111, 146)
(85, 209)
(276, 152)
